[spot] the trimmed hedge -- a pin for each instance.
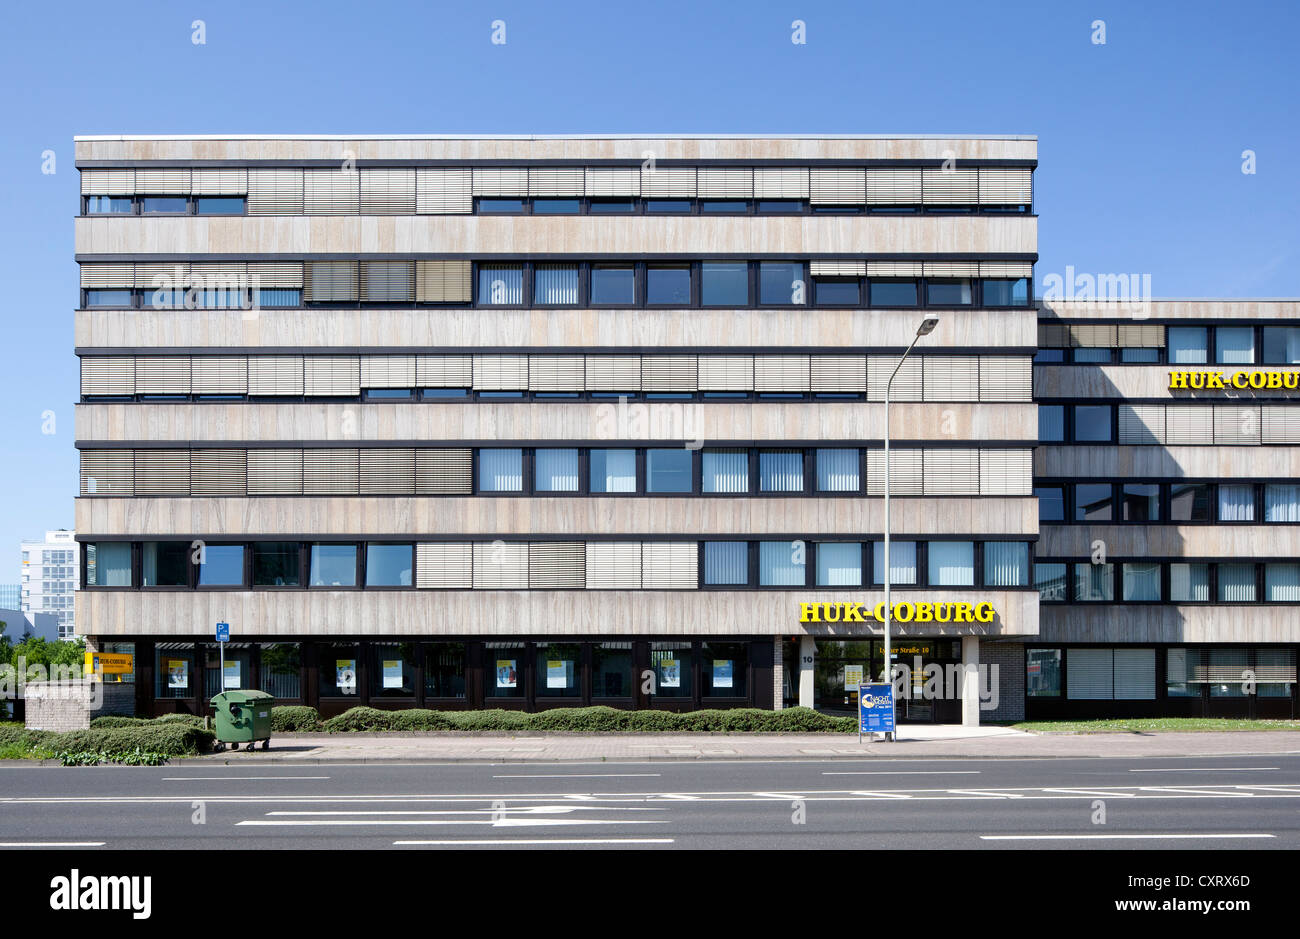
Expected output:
(294, 719)
(170, 738)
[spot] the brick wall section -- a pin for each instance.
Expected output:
(1009, 657)
(68, 705)
(778, 672)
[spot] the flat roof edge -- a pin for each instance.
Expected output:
(124, 137)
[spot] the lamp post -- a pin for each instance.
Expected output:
(926, 327)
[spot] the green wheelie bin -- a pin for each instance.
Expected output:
(242, 717)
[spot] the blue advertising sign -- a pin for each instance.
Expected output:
(223, 632)
(876, 708)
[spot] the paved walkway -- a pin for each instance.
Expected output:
(915, 742)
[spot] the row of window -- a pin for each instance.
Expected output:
(1195, 345)
(554, 565)
(164, 205)
(1180, 502)
(1120, 673)
(1172, 582)
(1229, 423)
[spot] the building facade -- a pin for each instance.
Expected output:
(11, 596)
(51, 574)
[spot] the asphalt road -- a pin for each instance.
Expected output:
(1237, 802)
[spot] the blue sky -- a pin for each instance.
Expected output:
(1140, 139)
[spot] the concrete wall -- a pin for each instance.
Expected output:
(71, 705)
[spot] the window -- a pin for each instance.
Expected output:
(1180, 673)
(893, 293)
(174, 670)
(725, 283)
(837, 292)
(333, 565)
(1141, 502)
(278, 297)
(505, 660)
(948, 292)
(1051, 503)
(902, 562)
(672, 664)
(613, 284)
(952, 563)
(1236, 503)
(780, 207)
(1051, 423)
(109, 205)
(388, 565)
(726, 563)
(668, 286)
(613, 471)
(221, 565)
(1228, 672)
(611, 670)
(613, 207)
(725, 470)
(1093, 502)
(555, 284)
(1094, 583)
(1136, 356)
(559, 670)
(1189, 583)
(500, 284)
(1282, 345)
(108, 298)
(500, 470)
(668, 470)
(501, 206)
(164, 205)
(165, 563)
(1282, 583)
(1006, 292)
(392, 670)
(108, 564)
(556, 206)
(281, 672)
(780, 471)
(1084, 356)
(723, 207)
(668, 207)
(1234, 345)
(1281, 503)
(839, 565)
(1190, 502)
(275, 564)
(1141, 582)
(219, 205)
(1236, 583)
(724, 667)
(1050, 581)
(1006, 564)
(781, 283)
(1043, 673)
(1049, 356)
(556, 470)
(1092, 423)
(838, 471)
(444, 670)
(781, 563)
(1187, 345)
(338, 670)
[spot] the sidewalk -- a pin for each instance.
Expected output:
(916, 742)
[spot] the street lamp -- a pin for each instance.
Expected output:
(926, 327)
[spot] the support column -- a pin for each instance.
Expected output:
(778, 674)
(807, 660)
(970, 685)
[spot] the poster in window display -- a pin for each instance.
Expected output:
(178, 674)
(507, 674)
(722, 672)
(345, 675)
(231, 679)
(559, 673)
(852, 677)
(670, 673)
(392, 673)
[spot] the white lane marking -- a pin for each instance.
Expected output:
(987, 793)
(905, 772)
(1291, 789)
(575, 775)
(196, 778)
(497, 823)
(524, 841)
(1199, 792)
(783, 796)
(881, 795)
(1209, 769)
(51, 844)
(1108, 793)
(1181, 836)
(520, 810)
(677, 796)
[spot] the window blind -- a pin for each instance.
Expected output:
(218, 472)
(670, 566)
(668, 182)
(500, 373)
(500, 565)
(837, 186)
(1005, 269)
(387, 471)
(950, 377)
(556, 181)
(163, 275)
(726, 372)
(1006, 378)
(107, 276)
(443, 281)
(275, 472)
(507, 181)
(949, 187)
(388, 281)
(388, 371)
(162, 472)
(951, 268)
(898, 269)
(839, 373)
(162, 375)
(329, 471)
(221, 181)
(557, 565)
(1189, 424)
(108, 182)
(906, 476)
(1233, 424)
(1135, 674)
(907, 384)
(444, 472)
(725, 471)
(275, 375)
(1006, 185)
(108, 375)
(444, 371)
(332, 376)
(275, 274)
(387, 191)
(838, 470)
(785, 182)
(1140, 425)
(556, 373)
(613, 565)
(330, 281)
(172, 181)
(894, 186)
(444, 566)
(331, 192)
(1092, 335)
(1006, 472)
(612, 372)
(789, 373)
(1090, 674)
(725, 182)
(669, 373)
(1140, 336)
(1280, 424)
(275, 192)
(443, 192)
(837, 268)
(107, 472)
(951, 472)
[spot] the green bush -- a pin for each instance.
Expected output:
(193, 720)
(358, 719)
(580, 720)
(113, 720)
(421, 719)
(495, 719)
(136, 757)
(290, 719)
(171, 738)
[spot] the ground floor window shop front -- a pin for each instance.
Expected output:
(456, 673)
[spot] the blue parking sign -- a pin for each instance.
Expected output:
(876, 708)
(223, 632)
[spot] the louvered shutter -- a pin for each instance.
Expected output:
(332, 376)
(1053, 336)
(613, 372)
(275, 472)
(1090, 674)
(1141, 425)
(444, 566)
(670, 565)
(275, 275)
(443, 472)
(1006, 378)
(1140, 336)
(331, 192)
(1135, 674)
(108, 375)
(668, 373)
(107, 276)
(222, 275)
(330, 281)
(443, 192)
(165, 275)
(786, 182)
(275, 375)
(1005, 269)
(495, 181)
(951, 472)
(907, 384)
(1188, 424)
(172, 181)
(107, 472)
(500, 565)
(387, 191)
(556, 181)
(388, 471)
(162, 472)
(1234, 424)
(725, 182)
(388, 371)
(781, 373)
(905, 472)
(950, 377)
(162, 375)
(218, 472)
(899, 185)
(837, 186)
(1006, 472)
(388, 281)
(228, 181)
(949, 187)
(500, 373)
(108, 182)
(897, 269)
(556, 373)
(444, 371)
(951, 268)
(442, 281)
(1093, 335)
(330, 471)
(613, 181)
(668, 182)
(557, 565)
(839, 373)
(726, 372)
(1003, 185)
(1280, 424)
(837, 268)
(613, 565)
(275, 192)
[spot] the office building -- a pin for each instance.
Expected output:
(50, 578)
